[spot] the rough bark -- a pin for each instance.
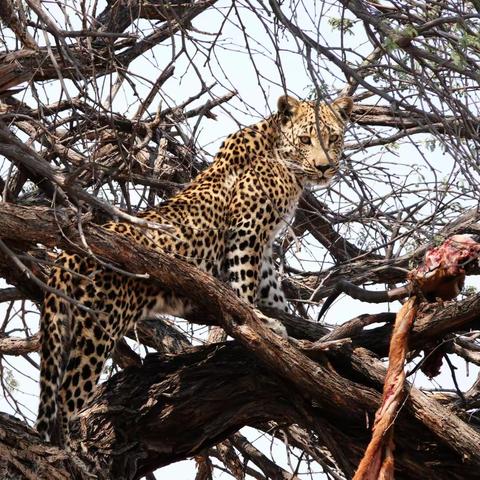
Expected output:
(294, 374)
(175, 406)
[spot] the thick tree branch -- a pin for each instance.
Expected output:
(136, 421)
(331, 391)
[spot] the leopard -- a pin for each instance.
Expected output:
(224, 222)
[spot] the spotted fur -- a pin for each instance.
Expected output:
(225, 222)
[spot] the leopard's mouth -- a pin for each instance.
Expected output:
(311, 176)
(323, 181)
(315, 178)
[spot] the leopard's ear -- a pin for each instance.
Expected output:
(343, 106)
(287, 105)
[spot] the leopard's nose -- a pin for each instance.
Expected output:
(323, 168)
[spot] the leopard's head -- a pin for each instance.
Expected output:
(310, 139)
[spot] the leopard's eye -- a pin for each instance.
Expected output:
(334, 138)
(305, 139)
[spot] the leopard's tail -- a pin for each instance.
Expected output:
(55, 323)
